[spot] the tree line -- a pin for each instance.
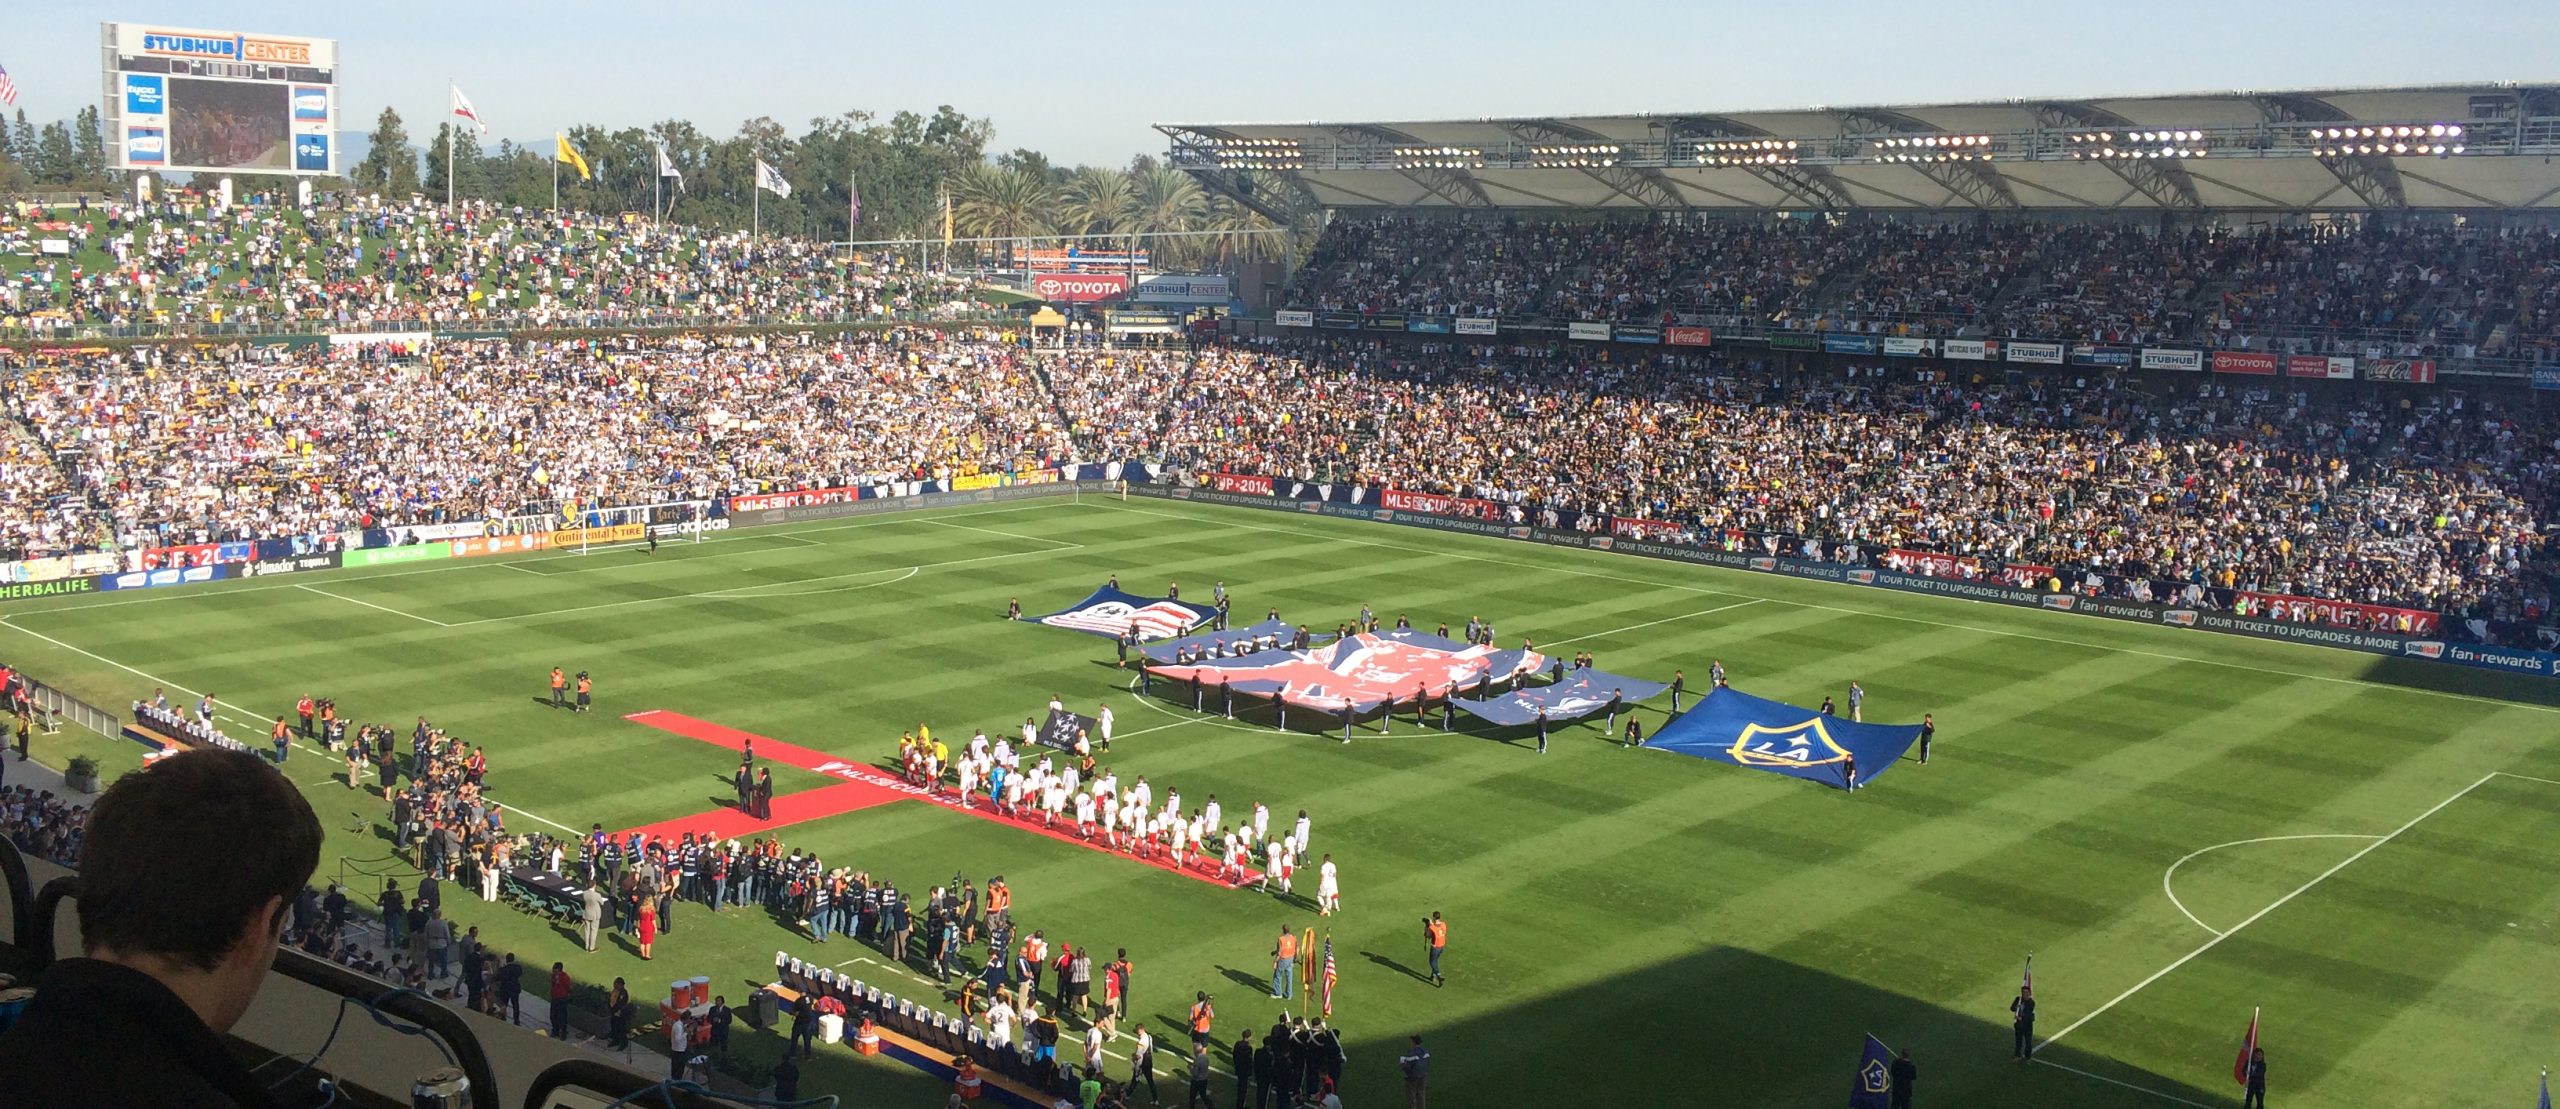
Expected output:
(906, 167)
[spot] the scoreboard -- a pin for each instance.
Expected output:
(191, 100)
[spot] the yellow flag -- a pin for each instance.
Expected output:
(946, 221)
(569, 155)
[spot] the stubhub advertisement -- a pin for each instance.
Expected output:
(310, 104)
(146, 146)
(311, 152)
(145, 94)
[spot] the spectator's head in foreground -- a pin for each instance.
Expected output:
(169, 888)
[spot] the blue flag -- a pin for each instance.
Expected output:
(1736, 727)
(1874, 1087)
(1580, 694)
(2546, 1091)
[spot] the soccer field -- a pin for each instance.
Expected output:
(2180, 826)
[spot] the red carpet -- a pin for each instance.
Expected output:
(795, 808)
(864, 786)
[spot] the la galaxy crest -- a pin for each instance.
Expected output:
(1803, 744)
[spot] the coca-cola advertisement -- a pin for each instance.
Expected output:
(1078, 288)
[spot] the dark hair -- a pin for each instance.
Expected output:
(164, 869)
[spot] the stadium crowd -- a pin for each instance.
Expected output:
(2402, 291)
(349, 261)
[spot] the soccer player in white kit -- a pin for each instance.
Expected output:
(1261, 822)
(1298, 839)
(1102, 720)
(1328, 889)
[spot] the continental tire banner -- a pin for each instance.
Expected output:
(501, 544)
(611, 533)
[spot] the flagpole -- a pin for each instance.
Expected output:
(450, 134)
(555, 175)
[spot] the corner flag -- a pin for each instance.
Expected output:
(2248, 1047)
(1874, 1087)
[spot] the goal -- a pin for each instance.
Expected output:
(586, 530)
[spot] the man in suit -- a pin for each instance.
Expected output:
(590, 914)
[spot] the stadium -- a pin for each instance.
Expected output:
(1334, 613)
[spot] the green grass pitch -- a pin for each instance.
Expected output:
(1627, 927)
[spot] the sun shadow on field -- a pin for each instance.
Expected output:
(1727, 1027)
(1244, 979)
(2438, 677)
(1395, 966)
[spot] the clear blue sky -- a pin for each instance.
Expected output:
(1082, 81)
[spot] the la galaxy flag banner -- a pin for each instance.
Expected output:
(1736, 727)
(1581, 693)
(1874, 1087)
(1112, 610)
(1360, 672)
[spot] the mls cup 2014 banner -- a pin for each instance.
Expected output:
(1361, 672)
(1112, 610)
(1736, 727)
(183, 98)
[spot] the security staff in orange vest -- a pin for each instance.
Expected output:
(559, 685)
(1284, 964)
(303, 707)
(1202, 1014)
(586, 685)
(1435, 934)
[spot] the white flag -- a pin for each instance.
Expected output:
(667, 166)
(462, 107)
(770, 181)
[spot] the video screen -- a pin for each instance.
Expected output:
(230, 124)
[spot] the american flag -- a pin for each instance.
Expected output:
(1328, 976)
(8, 89)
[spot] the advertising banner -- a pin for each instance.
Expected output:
(1688, 336)
(1406, 500)
(175, 575)
(1901, 346)
(501, 544)
(2546, 377)
(1596, 332)
(2333, 367)
(1629, 527)
(2088, 354)
(220, 101)
(2414, 371)
(758, 502)
(1934, 564)
(2304, 610)
(1478, 325)
(379, 556)
(30, 590)
(1972, 350)
(1384, 323)
(1794, 342)
(970, 483)
(291, 564)
(1428, 325)
(1168, 288)
(1636, 333)
(1293, 317)
(2541, 664)
(1256, 484)
(2154, 358)
(1849, 344)
(1339, 321)
(1078, 288)
(2039, 354)
(59, 567)
(2255, 362)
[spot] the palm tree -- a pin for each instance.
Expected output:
(1097, 201)
(999, 203)
(1168, 200)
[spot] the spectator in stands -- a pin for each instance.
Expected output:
(135, 1020)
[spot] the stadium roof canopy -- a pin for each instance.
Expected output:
(2482, 147)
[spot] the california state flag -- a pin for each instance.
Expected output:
(2248, 1047)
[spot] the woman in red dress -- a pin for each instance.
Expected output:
(648, 925)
